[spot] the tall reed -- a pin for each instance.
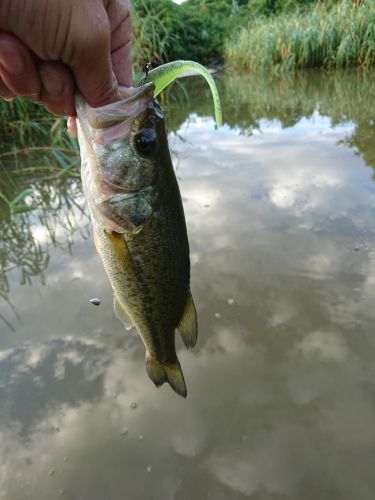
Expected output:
(341, 36)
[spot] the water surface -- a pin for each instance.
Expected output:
(280, 209)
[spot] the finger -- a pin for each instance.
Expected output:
(72, 127)
(122, 64)
(90, 59)
(5, 93)
(17, 67)
(121, 40)
(57, 90)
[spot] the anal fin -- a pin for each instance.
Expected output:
(188, 326)
(122, 314)
(170, 372)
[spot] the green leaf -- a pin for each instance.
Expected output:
(20, 209)
(21, 196)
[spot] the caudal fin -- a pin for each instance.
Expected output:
(170, 373)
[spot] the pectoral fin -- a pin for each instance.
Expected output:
(188, 326)
(122, 314)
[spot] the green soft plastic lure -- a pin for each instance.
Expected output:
(163, 75)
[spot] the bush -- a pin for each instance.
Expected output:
(197, 29)
(270, 7)
(155, 27)
(206, 25)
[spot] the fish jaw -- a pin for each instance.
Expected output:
(130, 105)
(119, 191)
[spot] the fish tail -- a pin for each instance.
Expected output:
(171, 373)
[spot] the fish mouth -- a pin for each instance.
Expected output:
(111, 114)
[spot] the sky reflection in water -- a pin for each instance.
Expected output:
(281, 385)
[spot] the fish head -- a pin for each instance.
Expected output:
(119, 158)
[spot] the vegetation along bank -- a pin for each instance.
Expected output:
(253, 34)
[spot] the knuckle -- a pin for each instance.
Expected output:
(95, 36)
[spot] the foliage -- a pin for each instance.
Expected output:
(340, 36)
(195, 30)
(24, 123)
(34, 145)
(207, 24)
(155, 28)
(270, 7)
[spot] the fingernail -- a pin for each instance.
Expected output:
(52, 83)
(12, 62)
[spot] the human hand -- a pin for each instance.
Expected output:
(47, 47)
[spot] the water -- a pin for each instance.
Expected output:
(280, 208)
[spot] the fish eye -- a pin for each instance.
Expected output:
(145, 142)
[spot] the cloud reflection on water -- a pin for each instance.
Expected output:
(281, 385)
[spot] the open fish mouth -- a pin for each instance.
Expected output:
(134, 102)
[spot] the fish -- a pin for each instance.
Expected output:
(139, 224)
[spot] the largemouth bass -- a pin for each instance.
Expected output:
(139, 225)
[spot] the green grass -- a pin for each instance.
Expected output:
(340, 37)
(154, 27)
(24, 124)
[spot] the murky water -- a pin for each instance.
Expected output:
(280, 208)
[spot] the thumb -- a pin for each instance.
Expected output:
(90, 61)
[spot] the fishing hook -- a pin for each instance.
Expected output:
(146, 69)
